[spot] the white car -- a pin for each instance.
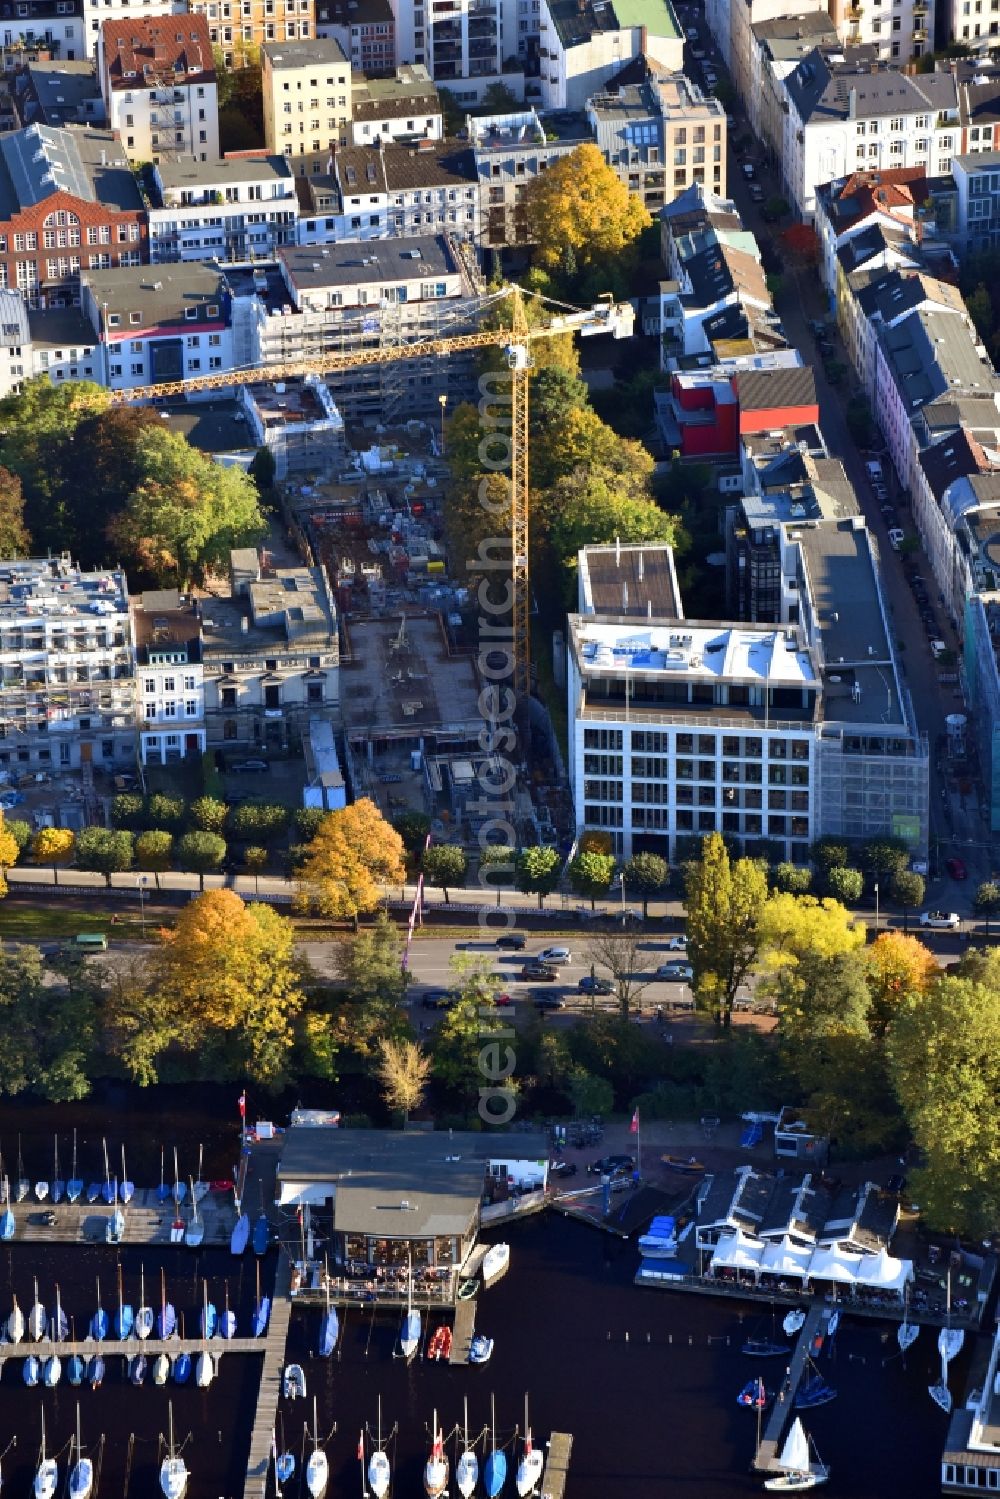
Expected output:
(554, 955)
(946, 920)
(677, 944)
(675, 973)
(896, 538)
(938, 649)
(749, 170)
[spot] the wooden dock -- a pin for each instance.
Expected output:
(560, 1446)
(262, 1435)
(766, 1457)
(112, 1348)
(147, 1220)
(464, 1331)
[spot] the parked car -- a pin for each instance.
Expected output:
(896, 538)
(588, 985)
(503, 1000)
(956, 868)
(938, 649)
(548, 1001)
(874, 471)
(554, 955)
(240, 766)
(818, 328)
(538, 973)
(941, 920)
(511, 941)
(437, 999)
(675, 973)
(756, 193)
(749, 170)
(692, 33)
(562, 1168)
(677, 944)
(880, 492)
(609, 1163)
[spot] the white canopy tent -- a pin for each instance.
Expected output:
(884, 1271)
(736, 1252)
(786, 1259)
(831, 1264)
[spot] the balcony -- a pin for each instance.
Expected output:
(919, 32)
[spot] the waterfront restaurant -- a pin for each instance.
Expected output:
(405, 1197)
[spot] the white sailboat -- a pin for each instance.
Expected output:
(144, 1318)
(38, 1318)
(409, 1335)
(74, 1186)
(47, 1472)
(950, 1340)
(529, 1469)
(173, 1469)
(799, 1473)
(195, 1231)
(467, 1467)
(379, 1471)
(199, 1189)
(15, 1323)
(204, 1370)
(317, 1468)
(436, 1467)
(81, 1479)
(907, 1332)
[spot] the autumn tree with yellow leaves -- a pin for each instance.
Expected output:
(579, 210)
(353, 854)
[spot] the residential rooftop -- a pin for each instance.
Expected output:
(290, 605)
(576, 21)
(184, 173)
(55, 588)
(352, 263)
(319, 52)
(150, 296)
(140, 52)
(693, 651)
(825, 86)
(638, 580)
(41, 160)
(411, 91)
(61, 93)
(931, 354)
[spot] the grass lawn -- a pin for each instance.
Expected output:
(41, 923)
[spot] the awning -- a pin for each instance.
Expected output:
(786, 1258)
(297, 1194)
(884, 1271)
(736, 1252)
(830, 1264)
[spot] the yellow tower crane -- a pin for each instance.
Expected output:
(516, 340)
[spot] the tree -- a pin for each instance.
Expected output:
(201, 853)
(881, 858)
(724, 904)
(458, 1039)
(444, 864)
(14, 538)
(590, 875)
(371, 969)
(593, 1097)
(208, 813)
(413, 828)
(9, 854)
(845, 885)
(38, 426)
(307, 821)
(987, 900)
(792, 879)
(166, 811)
(128, 810)
(404, 1071)
(536, 871)
(618, 952)
(20, 831)
(829, 853)
(154, 851)
(979, 306)
(907, 890)
(896, 968)
(579, 204)
(187, 514)
(53, 846)
(229, 985)
(354, 852)
(257, 820)
(594, 508)
(107, 465)
(254, 858)
(951, 1105)
(776, 208)
(104, 851)
(790, 927)
(48, 1029)
(647, 874)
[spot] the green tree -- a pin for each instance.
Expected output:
(307, 821)
(536, 871)
(104, 466)
(413, 828)
(166, 811)
(881, 858)
(845, 885)
(404, 1071)
(201, 853)
(371, 970)
(104, 851)
(14, 538)
(596, 508)
(593, 1097)
(590, 875)
(724, 905)
(187, 514)
(829, 853)
(128, 810)
(208, 814)
(257, 820)
(48, 1029)
(580, 205)
(254, 858)
(907, 890)
(38, 426)
(154, 851)
(648, 875)
(951, 1106)
(792, 879)
(444, 864)
(19, 830)
(459, 1038)
(986, 901)
(979, 306)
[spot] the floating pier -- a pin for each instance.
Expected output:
(463, 1332)
(273, 1348)
(560, 1446)
(147, 1220)
(814, 1327)
(129, 1347)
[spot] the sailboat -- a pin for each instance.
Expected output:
(58, 1326)
(95, 1372)
(529, 1469)
(495, 1468)
(15, 1323)
(240, 1236)
(173, 1469)
(180, 1188)
(47, 1472)
(38, 1318)
(114, 1230)
(144, 1319)
(761, 1347)
(907, 1332)
(379, 1472)
(8, 1223)
(950, 1340)
(22, 1186)
(409, 1335)
(227, 1321)
(126, 1190)
(58, 1184)
(204, 1370)
(209, 1316)
(467, 1467)
(166, 1321)
(81, 1479)
(195, 1231)
(162, 1191)
(329, 1328)
(798, 1472)
(199, 1188)
(138, 1368)
(42, 1188)
(317, 1468)
(31, 1370)
(261, 1310)
(124, 1316)
(108, 1192)
(75, 1184)
(75, 1367)
(52, 1371)
(99, 1321)
(436, 1467)
(161, 1369)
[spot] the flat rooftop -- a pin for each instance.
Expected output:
(287, 605)
(629, 580)
(49, 587)
(388, 685)
(210, 426)
(700, 652)
(355, 263)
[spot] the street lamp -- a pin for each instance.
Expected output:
(442, 402)
(141, 889)
(876, 910)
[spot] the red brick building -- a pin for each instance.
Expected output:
(68, 202)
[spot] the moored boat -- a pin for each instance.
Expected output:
(240, 1236)
(495, 1467)
(173, 1469)
(439, 1346)
(496, 1263)
(793, 1321)
(689, 1164)
(436, 1467)
(798, 1472)
(480, 1349)
(294, 1383)
(753, 1395)
(47, 1473)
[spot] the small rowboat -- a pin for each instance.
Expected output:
(754, 1395)
(678, 1163)
(439, 1346)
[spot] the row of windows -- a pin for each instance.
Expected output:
(972, 1478)
(706, 796)
(658, 744)
(749, 824)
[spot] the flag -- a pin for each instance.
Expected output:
(361, 1448)
(243, 1104)
(634, 1126)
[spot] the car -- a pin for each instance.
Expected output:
(609, 1163)
(554, 955)
(675, 973)
(240, 767)
(511, 942)
(437, 999)
(692, 33)
(756, 193)
(749, 170)
(941, 920)
(538, 973)
(874, 470)
(956, 868)
(896, 538)
(677, 944)
(562, 1168)
(548, 1001)
(503, 1000)
(818, 328)
(711, 79)
(880, 492)
(938, 649)
(588, 985)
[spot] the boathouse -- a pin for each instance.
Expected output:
(970, 1463)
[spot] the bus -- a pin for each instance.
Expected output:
(92, 941)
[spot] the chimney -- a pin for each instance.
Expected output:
(852, 104)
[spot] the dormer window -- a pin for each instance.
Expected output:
(213, 311)
(135, 317)
(190, 313)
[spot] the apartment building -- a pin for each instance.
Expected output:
(771, 734)
(879, 299)
(239, 209)
(307, 101)
(158, 83)
(68, 202)
(365, 30)
(659, 136)
(58, 94)
(394, 191)
(848, 207)
(15, 343)
(53, 28)
(776, 49)
(66, 667)
(709, 410)
(845, 116)
(467, 45)
(62, 345)
(167, 323)
(977, 185)
(96, 12)
(584, 43)
(270, 655)
(897, 30)
(239, 28)
(405, 107)
(169, 677)
(509, 151)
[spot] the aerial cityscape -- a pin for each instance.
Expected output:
(499, 748)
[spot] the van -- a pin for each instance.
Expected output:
(874, 471)
(91, 941)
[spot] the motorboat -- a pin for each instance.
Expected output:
(480, 1349)
(317, 1468)
(753, 1395)
(173, 1469)
(496, 1262)
(439, 1346)
(284, 1466)
(793, 1322)
(240, 1236)
(294, 1383)
(261, 1235)
(798, 1472)
(689, 1164)
(436, 1467)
